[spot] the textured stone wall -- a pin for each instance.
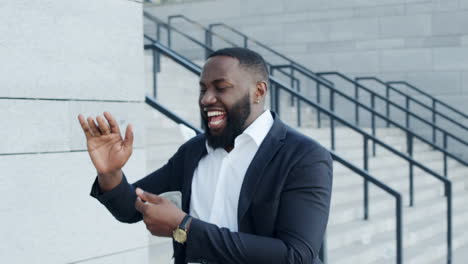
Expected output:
(61, 58)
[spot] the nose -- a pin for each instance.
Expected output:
(207, 98)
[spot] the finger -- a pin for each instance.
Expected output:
(103, 126)
(128, 141)
(140, 206)
(93, 127)
(85, 127)
(113, 124)
(149, 197)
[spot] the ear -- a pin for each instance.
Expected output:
(261, 90)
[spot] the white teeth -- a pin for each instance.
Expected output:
(214, 113)
(216, 122)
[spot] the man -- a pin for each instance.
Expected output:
(253, 190)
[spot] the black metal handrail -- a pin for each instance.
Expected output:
(399, 107)
(318, 76)
(171, 115)
(410, 99)
(410, 134)
(209, 33)
(444, 149)
(433, 99)
(447, 183)
(200, 26)
(173, 29)
(364, 174)
(295, 83)
(248, 39)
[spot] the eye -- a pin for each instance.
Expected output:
(222, 88)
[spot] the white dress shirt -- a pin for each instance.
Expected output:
(218, 179)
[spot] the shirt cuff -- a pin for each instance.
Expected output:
(111, 195)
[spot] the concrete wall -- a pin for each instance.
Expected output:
(61, 58)
(422, 41)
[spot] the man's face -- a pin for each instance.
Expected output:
(224, 100)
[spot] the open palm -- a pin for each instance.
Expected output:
(108, 151)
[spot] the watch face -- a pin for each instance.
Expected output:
(180, 235)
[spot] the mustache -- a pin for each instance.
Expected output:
(236, 117)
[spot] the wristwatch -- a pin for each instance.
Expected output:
(180, 233)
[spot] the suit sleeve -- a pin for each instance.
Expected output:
(299, 229)
(120, 201)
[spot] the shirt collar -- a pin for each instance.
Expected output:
(256, 131)
(260, 127)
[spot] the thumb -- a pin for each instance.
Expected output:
(128, 141)
(149, 197)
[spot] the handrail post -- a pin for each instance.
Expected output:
(169, 36)
(298, 103)
(292, 82)
(272, 90)
(409, 146)
(158, 31)
(448, 187)
(399, 231)
(356, 109)
(445, 154)
(373, 122)
(433, 121)
(332, 100)
(277, 101)
(156, 69)
(319, 123)
(208, 42)
(366, 184)
(387, 108)
(407, 104)
(272, 98)
(332, 131)
(332, 121)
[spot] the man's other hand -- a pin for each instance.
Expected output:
(108, 150)
(160, 215)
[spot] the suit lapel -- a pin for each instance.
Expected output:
(267, 150)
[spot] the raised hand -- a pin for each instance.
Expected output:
(108, 151)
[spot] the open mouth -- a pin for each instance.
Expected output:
(216, 119)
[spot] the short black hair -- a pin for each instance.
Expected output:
(247, 58)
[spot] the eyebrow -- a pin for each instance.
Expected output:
(217, 81)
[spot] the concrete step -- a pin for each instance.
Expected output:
(347, 178)
(391, 167)
(423, 190)
(437, 245)
(375, 243)
(343, 213)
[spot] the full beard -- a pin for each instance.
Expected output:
(236, 118)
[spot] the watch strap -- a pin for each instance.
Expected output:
(183, 224)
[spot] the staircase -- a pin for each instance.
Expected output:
(350, 239)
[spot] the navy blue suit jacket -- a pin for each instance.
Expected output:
(283, 205)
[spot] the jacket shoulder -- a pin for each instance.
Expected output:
(304, 145)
